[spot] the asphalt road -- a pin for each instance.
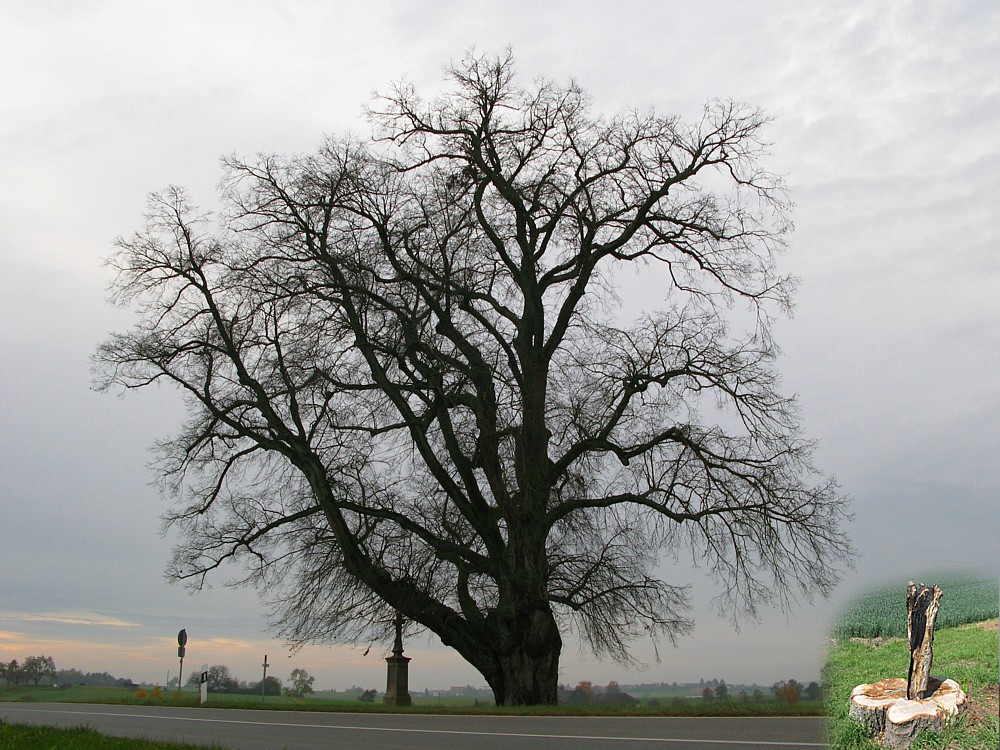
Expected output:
(285, 730)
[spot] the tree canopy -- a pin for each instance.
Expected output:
(300, 683)
(34, 669)
(411, 386)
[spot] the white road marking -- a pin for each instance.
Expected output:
(521, 735)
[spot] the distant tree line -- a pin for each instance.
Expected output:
(714, 691)
(222, 680)
(586, 694)
(36, 670)
(90, 679)
(787, 692)
(32, 670)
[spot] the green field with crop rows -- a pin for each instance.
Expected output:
(881, 613)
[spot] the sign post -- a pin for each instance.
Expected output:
(204, 687)
(182, 639)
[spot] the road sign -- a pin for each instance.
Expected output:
(182, 639)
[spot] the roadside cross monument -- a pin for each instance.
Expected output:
(397, 677)
(263, 680)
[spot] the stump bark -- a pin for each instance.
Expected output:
(922, 604)
(884, 710)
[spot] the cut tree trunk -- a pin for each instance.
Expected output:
(884, 710)
(922, 605)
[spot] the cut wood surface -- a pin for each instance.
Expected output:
(884, 710)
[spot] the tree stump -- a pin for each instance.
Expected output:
(896, 710)
(884, 710)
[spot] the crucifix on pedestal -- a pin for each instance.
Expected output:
(397, 690)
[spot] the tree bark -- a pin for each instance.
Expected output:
(526, 669)
(921, 611)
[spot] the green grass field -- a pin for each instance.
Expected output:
(28, 737)
(871, 646)
(881, 613)
(421, 704)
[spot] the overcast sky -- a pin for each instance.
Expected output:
(886, 122)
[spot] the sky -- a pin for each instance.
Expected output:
(885, 123)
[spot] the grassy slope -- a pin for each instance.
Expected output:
(966, 654)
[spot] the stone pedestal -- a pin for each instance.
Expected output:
(397, 691)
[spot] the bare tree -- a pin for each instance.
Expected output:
(411, 386)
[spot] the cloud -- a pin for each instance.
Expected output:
(69, 618)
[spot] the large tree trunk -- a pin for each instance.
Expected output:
(526, 670)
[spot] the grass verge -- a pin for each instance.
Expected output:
(30, 737)
(966, 654)
(283, 703)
